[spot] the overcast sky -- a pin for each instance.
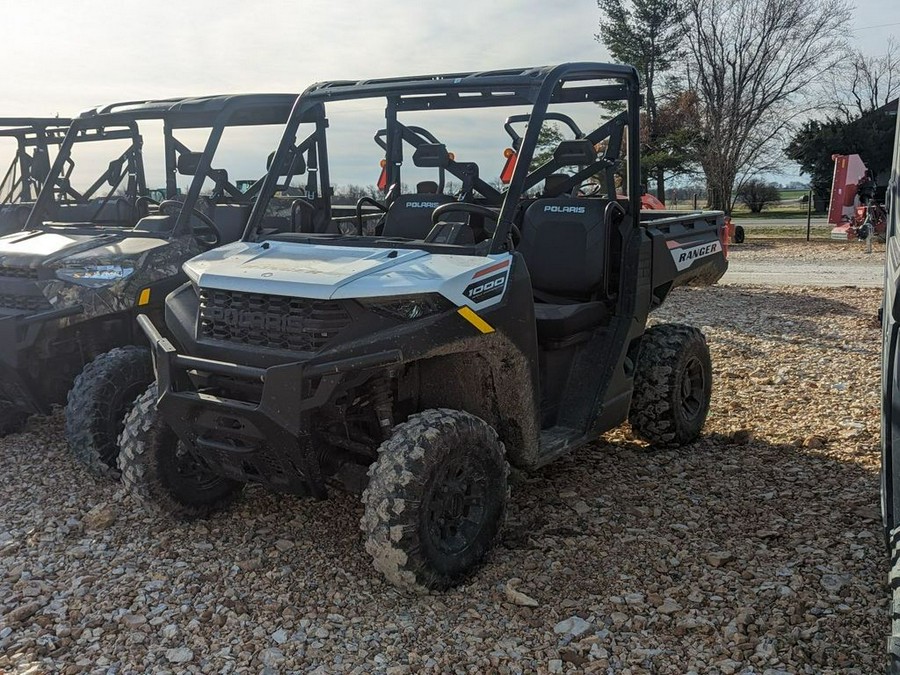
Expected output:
(62, 56)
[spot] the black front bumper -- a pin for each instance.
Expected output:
(18, 335)
(268, 441)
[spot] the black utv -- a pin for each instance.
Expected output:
(96, 249)
(471, 331)
(890, 408)
(32, 142)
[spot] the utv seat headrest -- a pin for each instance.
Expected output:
(554, 184)
(427, 187)
(188, 162)
(578, 152)
(40, 165)
(431, 155)
(298, 165)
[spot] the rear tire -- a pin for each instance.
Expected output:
(102, 395)
(158, 469)
(672, 385)
(12, 419)
(436, 499)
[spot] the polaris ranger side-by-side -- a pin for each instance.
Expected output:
(96, 249)
(33, 141)
(468, 332)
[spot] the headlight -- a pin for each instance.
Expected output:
(407, 307)
(94, 276)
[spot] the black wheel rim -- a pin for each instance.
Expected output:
(191, 471)
(455, 507)
(693, 388)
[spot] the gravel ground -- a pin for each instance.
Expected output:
(787, 262)
(799, 250)
(756, 550)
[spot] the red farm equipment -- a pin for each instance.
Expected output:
(853, 212)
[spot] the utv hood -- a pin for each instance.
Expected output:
(328, 272)
(42, 248)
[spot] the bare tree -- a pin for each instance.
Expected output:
(750, 63)
(867, 84)
(647, 35)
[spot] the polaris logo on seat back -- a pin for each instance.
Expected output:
(564, 209)
(684, 257)
(422, 205)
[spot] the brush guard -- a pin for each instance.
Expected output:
(269, 441)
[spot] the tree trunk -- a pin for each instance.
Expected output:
(720, 188)
(661, 185)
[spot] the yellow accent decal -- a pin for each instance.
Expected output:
(144, 298)
(475, 320)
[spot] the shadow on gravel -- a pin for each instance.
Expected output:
(763, 314)
(791, 534)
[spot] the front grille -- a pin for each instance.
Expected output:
(274, 321)
(31, 303)
(18, 272)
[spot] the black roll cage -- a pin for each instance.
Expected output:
(537, 87)
(120, 121)
(37, 134)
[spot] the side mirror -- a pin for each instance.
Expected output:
(114, 172)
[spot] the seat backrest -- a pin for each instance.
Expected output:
(564, 243)
(409, 216)
(230, 220)
(554, 184)
(117, 211)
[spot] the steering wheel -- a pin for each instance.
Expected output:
(205, 233)
(476, 209)
(463, 207)
(143, 202)
(592, 187)
(359, 215)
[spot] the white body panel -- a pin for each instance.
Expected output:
(344, 272)
(35, 243)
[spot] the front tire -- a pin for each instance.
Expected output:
(672, 385)
(436, 499)
(97, 404)
(158, 469)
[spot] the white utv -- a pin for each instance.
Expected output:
(483, 329)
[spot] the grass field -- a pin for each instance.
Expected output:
(787, 232)
(789, 207)
(792, 194)
(774, 213)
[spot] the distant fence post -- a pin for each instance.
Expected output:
(809, 198)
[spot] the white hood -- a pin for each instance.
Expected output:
(334, 272)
